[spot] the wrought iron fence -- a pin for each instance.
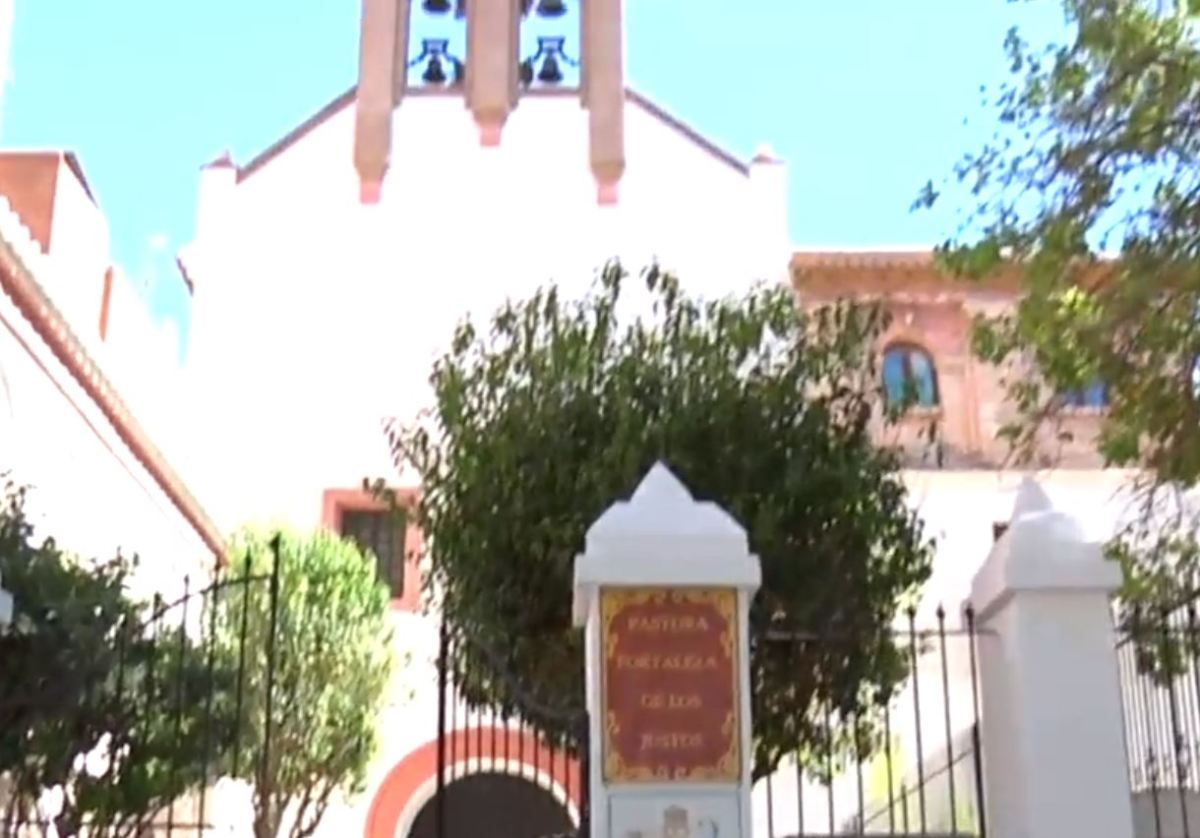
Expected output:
(529, 759)
(1157, 651)
(177, 696)
(904, 759)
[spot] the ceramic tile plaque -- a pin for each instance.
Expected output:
(669, 685)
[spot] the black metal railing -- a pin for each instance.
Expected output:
(174, 700)
(529, 759)
(903, 761)
(1157, 658)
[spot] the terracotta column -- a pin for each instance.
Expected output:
(382, 74)
(602, 88)
(493, 44)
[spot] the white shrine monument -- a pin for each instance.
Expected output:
(663, 590)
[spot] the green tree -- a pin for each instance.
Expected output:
(1089, 194)
(85, 670)
(321, 665)
(557, 409)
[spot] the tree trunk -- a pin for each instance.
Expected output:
(267, 815)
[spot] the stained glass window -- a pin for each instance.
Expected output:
(909, 377)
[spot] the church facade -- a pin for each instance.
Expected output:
(328, 272)
(321, 299)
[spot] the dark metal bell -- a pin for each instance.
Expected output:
(551, 8)
(436, 7)
(550, 73)
(434, 72)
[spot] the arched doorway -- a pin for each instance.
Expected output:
(498, 805)
(410, 786)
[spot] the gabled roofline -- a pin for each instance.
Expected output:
(298, 133)
(671, 121)
(19, 254)
(346, 99)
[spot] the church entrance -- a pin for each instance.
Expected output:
(498, 805)
(515, 771)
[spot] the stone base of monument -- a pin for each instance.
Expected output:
(696, 814)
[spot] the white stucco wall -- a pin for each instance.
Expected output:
(86, 488)
(314, 316)
(138, 353)
(73, 272)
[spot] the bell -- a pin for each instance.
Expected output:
(525, 72)
(436, 7)
(434, 72)
(551, 8)
(550, 72)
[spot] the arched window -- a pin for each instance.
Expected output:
(1094, 395)
(909, 376)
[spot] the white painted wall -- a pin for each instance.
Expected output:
(139, 354)
(315, 316)
(87, 490)
(958, 509)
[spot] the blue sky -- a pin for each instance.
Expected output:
(865, 99)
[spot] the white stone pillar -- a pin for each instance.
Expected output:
(214, 200)
(663, 589)
(768, 217)
(1053, 737)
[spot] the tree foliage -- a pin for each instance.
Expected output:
(322, 664)
(1089, 194)
(99, 693)
(559, 408)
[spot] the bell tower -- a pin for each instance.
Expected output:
(492, 76)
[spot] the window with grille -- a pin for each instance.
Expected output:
(380, 534)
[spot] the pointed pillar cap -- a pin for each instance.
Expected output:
(1031, 498)
(224, 160)
(662, 536)
(765, 155)
(1043, 549)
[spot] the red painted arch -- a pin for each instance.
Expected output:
(488, 742)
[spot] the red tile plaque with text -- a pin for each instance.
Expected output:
(670, 684)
